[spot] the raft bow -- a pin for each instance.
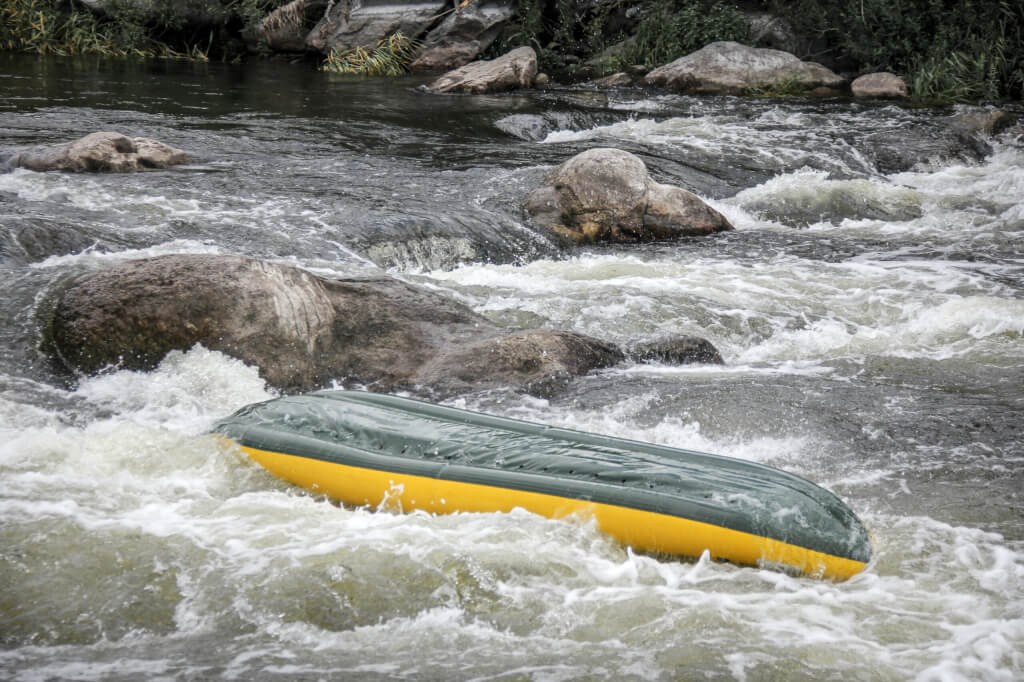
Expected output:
(364, 448)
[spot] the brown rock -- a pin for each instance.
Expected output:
(104, 152)
(606, 195)
(511, 71)
(304, 331)
(882, 84)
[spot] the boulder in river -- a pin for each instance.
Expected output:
(303, 331)
(606, 195)
(881, 84)
(678, 350)
(104, 152)
(511, 71)
(728, 68)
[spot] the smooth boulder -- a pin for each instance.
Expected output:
(881, 84)
(513, 70)
(103, 152)
(606, 195)
(303, 331)
(728, 68)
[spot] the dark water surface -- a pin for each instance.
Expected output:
(872, 325)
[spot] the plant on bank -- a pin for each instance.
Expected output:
(125, 27)
(390, 57)
(947, 50)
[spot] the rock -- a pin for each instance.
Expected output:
(896, 151)
(463, 35)
(511, 71)
(104, 152)
(351, 23)
(606, 195)
(988, 122)
(680, 350)
(616, 80)
(728, 68)
(304, 331)
(881, 84)
(542, 361)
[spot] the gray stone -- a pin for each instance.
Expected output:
(103, 152)
(511, 71)
(364, 23)
(606, 195)
(463, 35)
(678, 350)
(728, 68)
(304, 331)
(881, 84)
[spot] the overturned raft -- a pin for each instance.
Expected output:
(362, 448)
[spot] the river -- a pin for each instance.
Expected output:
(872, 326)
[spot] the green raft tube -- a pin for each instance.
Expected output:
(364, 448)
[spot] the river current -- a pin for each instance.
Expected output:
(872, 326)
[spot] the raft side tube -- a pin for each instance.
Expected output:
(357, 443)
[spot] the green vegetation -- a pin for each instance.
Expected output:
(947, 50)
(126, 28)
(390, 57)
(671, 29)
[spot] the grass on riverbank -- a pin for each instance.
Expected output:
(127, 29)
(390, 57)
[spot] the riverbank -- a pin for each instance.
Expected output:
(944, 51)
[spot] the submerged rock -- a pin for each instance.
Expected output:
(606, 195)
(728, 68)
(304, 331)
(103, 152)
(881, 84)
(511, 71)
(679, 350)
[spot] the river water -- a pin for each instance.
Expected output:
(872, 327)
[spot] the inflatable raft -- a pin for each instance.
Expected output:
(365, 448)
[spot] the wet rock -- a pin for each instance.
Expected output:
(896, 151)
(728, 68)
(542, 361)
(103, 152)
(511, 71)
(304, 331)
(463, 35)
(881, 84)
(616, 80)
(351, 23)
(680, 350)
(990, 122)
(606, 195)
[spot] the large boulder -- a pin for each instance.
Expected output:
(728, 68)
(881, 84)
(511, 71)
(606, 195)
(106, 152)
(303, 331)
(364, 23)
(463, 35)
